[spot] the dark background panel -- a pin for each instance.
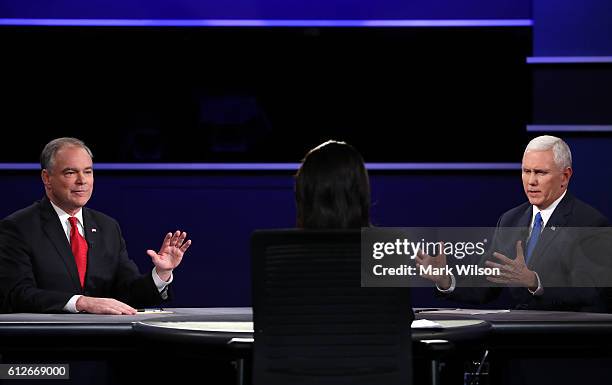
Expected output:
(266, 94)
(572, 94)
(592, 179)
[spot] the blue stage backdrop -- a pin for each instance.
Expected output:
(572, 28)
(267, 9)
(221, 211)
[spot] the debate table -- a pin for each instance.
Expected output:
(227, 333)
(222, 333)
(201, 326)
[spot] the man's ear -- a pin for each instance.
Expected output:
(567, 174)
(44, 175)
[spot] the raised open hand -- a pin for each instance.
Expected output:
(435, 264)
(170, 253)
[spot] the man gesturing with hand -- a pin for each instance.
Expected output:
(59, 256)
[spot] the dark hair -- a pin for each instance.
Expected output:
(332, 189)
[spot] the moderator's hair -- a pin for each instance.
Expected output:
(561, 151)
(332, 190)
(47, 156)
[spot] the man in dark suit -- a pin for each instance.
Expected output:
(545, 275)
(59, 256)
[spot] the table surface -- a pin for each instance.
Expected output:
(209, 324)
(247, 326)
(208, 327)
(245, 314)
(221, 313)
(500, 320)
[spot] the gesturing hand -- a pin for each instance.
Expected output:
(513, 272)
(443, 281)
(170, 253)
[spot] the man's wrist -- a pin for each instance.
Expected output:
(539, 290)
(445, 283)
(451, 286)
(78, 304)
(70, 306)
(164, 275)
(160, 279)
(533, 284)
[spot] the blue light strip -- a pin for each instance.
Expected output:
(263, 23)
(568, 128)
(568, 59)
(271, 166)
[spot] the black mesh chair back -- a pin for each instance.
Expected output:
(314, 323)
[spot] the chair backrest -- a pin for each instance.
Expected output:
(314, 323)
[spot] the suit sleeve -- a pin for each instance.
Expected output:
(18, 287)
(129, 285)
(471, 292)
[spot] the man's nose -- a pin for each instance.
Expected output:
(533, 179)
(80, 178)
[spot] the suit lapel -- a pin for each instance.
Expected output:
(91, 235)
(557, 219)
(55, 232)
(525, 218)
(522, 223)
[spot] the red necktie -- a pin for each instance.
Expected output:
(79, 249)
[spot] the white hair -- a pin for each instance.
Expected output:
(561, 151)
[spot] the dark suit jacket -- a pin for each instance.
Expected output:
(557, 258)
(37, 269)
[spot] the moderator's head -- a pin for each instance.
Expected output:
(332, 189)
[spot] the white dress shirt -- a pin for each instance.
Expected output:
(545, 213)
(63, 217)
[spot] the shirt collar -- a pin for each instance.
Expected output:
(547, 212)
(63, 216)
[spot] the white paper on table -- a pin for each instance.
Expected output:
(425, 324)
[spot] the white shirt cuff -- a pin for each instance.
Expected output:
(452, 286)
(160, 283)
(70, 306)
(540, 289)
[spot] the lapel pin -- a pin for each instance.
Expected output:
(553, 228)
(93, 230)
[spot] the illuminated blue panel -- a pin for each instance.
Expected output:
(266, 9)
(264, 23)
(572, 28)
(568, 128)
(568, 59)
(272, 166)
